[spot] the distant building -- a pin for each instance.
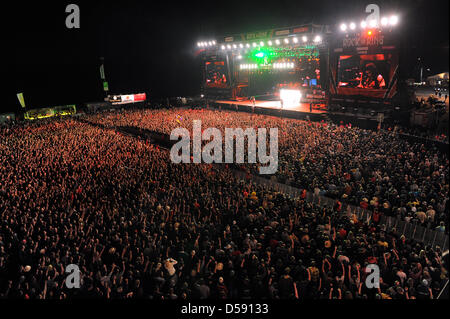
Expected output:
(438, 79)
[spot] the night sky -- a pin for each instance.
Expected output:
(150, 46)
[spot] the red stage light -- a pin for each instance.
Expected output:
(369, 32)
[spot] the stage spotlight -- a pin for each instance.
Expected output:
(223, 47)
(199, 44)
(241, 45)
(352, 26)
(254, 44)
(234, 46)
(384, 21)
(269, 42)
(239, 57)
(317, 39)
(248, 45)
(393, 20)
(228, 46)
(343, 27)
(277, 42)
(369, 32)
(295, 40)
(209, 43)
(290, 98)
(363, 24)
(373, 23)
(214, 42)
(286, 40)
(261, 43)
(305, 38)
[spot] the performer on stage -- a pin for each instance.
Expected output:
(373, 81)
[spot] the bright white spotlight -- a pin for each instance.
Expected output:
(277, 41)
(343, 27)
(199, 44)
(363, 24)
(254, 44)
(286, 40)
(305, 38)
(209, 43)
(317, 39)
(352, 26)
(241, 45)
(223, 47)
(239, 57)
(234, 46)
(295, 40)
(261, 43)
(248, 45)
(373, 23)
(290, 98)
(393, 20)
(228, 46)
(214, 42)
(269, 42)
(384, 21)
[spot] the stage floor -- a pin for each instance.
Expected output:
(303, 107)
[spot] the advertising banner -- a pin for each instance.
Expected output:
(21, 99)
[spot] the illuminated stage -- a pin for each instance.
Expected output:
(302, 107)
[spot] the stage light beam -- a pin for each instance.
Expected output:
(393, 20)
(290, 98)
(343, 27)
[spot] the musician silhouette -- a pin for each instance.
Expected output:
(370, 79)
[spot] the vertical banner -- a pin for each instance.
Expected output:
(102, 72)
(21, 99)
(105, 86)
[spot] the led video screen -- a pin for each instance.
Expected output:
(216, 74)
(368, 74)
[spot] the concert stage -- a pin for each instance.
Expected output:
(276, 105)
(273, 108)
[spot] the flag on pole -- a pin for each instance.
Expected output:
(21, 99)
(102, 72)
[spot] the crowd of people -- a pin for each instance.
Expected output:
(376, 170)
(139, 226)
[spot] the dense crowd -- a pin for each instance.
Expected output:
(139, 226)
(376, 170)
